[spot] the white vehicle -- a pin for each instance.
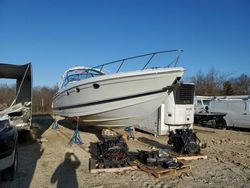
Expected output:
(237, 109)
(201, 103)
(118, 98)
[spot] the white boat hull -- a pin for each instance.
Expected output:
(116, 99)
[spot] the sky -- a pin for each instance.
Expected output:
(56, 35)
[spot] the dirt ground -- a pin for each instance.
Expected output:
(46, 159)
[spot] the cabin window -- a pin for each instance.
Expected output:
(88, 74)
(76, 75)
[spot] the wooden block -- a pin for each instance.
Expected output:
(162, 172)
(113, 169)
(185, 168)
(187, 157)
(155, 171)
(92, 164)
(195, 157)
(96, 167)
(170, 172)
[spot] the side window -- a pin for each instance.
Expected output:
(206, 102)
(92, 73)
(65, 82)
(199, 103)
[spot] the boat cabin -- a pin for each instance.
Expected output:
(77, 74)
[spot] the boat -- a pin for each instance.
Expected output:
(119, 98)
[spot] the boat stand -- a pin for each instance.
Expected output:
(55, 125)
(130, 133)
(76, 139)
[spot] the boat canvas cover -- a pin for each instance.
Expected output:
(20, 110)
(18, 72)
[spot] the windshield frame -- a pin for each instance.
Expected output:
(74, 75)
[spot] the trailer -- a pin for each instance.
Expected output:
(210, 119)
(237, 109)
(20, 110)
(177, 112)
(225, 111)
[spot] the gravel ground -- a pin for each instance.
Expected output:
(46, 159)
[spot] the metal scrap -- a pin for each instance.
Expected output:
(113, 151)
(19, 114)
(159, 158)
(184, 141)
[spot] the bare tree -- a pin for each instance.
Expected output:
(241, 85)
(227, 88)
(210, 83)
(7, 95)
(42, 99)
(214, 84)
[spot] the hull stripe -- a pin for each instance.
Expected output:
(110, 100)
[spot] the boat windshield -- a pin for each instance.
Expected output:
(79, 74)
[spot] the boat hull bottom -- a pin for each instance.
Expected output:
(124, 116)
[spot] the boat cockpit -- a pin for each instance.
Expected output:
(80, 73)
(77, 74)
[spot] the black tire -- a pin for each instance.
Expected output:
(10, 173)
(223, 124)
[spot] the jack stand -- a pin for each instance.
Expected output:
(76, 139)
(55, 125)
(129, 130)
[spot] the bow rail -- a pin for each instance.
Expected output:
(150, 55)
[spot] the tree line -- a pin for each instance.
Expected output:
(41, 97)
(212, 83)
